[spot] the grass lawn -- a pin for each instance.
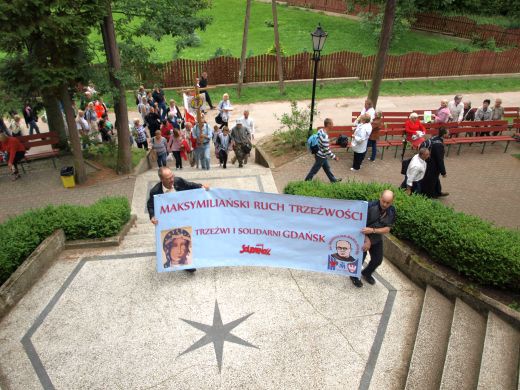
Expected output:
(254, 94)
(295, 26)
(497, 20)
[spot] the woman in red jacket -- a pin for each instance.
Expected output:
(415, 130)
(16, 151)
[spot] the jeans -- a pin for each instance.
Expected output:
(161, 159)
(163, 108)
(373, 143)
(199, 155)
(320, 163)
(205, 157)
(358, 159)
(33, 126)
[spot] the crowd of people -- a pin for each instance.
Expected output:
(173, 134)
(423, 171)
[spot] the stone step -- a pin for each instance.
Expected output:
(429, 352)
(500, 357)
(462, 365)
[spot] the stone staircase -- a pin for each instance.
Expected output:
(458, 348)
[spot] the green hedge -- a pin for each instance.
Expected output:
(475, 248)
(22, 234)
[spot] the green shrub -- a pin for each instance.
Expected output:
(294, 126)
(22, 234)
(475, 248)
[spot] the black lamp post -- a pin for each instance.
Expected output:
(318, 41)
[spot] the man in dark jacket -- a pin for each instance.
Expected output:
(30, 118)
(380, 219)
(431, 184)
(203, 83)
(169, 183)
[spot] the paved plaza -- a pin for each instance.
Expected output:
(109, 320)
(105, 318)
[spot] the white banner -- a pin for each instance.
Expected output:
(222, 227)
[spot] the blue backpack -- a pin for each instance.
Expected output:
(312, 143)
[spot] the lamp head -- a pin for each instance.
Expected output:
(318, 39)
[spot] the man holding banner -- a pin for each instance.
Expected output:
(169, 183)
(380, 218)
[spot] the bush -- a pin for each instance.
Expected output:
(193, 40)
(295, 126)
(475, 248)
(272, 50)
(22, 234)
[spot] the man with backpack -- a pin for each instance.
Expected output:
(320, 147)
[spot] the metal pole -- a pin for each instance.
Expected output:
(316, 58)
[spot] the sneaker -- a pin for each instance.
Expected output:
(443, 194)
(191, 270)
(337, 180)
(369, 278)
(354, 170)
(356, 282)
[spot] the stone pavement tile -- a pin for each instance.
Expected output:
(486, 185)
(118, 322)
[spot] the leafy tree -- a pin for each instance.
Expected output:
(45, 45)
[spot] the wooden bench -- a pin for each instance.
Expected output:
(50, 138)
(389, 117)
(511, 112)
(480, 136)
(336, 132)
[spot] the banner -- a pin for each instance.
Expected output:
(220, 228)
(190, 106)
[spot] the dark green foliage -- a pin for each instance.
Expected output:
(475, 248)
(22, 234)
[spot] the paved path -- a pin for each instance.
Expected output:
(109, 320)
(42, 185)
(485, 185)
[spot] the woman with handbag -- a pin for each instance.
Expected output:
(224, 108)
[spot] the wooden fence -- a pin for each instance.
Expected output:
(224, 70)
(459, 26)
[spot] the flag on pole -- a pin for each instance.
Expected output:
(189, 113)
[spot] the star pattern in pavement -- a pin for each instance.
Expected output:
(217, 334)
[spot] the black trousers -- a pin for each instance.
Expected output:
(178, 159)
(17, 158)
(358, 159)
(376, 258)
(208, 99)
(223, 157)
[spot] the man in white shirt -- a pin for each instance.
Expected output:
(415, 172)
(248, 123)
(456, 108)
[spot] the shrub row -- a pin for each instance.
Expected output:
(22, 234)
(473, 247)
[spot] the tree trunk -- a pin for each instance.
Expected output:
(124, 156)
(277, 45)
(384, 44)
(244, 48)
(55, 117)
(75, 143)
